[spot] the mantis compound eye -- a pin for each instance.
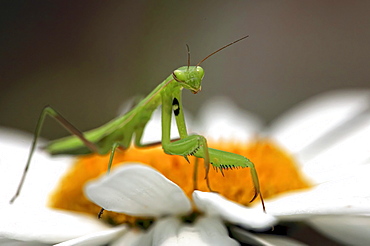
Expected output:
(175, 77)
(200, 72)
(179, 75)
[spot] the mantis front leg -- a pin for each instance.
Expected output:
(186, 145)
(196, 145)
(226, 160)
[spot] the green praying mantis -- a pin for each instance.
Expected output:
(119, 132)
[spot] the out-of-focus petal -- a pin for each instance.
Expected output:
(12, 242)
(311, 122)
(344, 156)
(262, 239)
(216, 234)
(349, 195)
(205, 231)
(45, 225)
(153, 130)
(165, 231)
(135, 237)
(136, 189)
(214, 204)
(222, 113)
(98, 238)
(347, 229)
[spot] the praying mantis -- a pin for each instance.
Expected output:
(120, 132)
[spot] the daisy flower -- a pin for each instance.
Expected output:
(311, 164)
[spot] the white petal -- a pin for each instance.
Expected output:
(96, 239)
(153, 130)
(278, 240)
(140, 190)
(300, 128)
(205, 231)
(262, 239)
(43, 174)
(213, 231)
(165, 231)
(214, 204)
(11, 242)
(349, 230)
(45, 225)
(135, 237)
(349, 195)
(236, 124)
(344, 156)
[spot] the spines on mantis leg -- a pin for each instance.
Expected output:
(224, 160)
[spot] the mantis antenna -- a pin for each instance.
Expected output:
(221, 49)
(187, 47)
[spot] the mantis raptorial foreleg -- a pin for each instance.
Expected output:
(196, 145)
(226, 160)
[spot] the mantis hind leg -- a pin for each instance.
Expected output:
(66, 124)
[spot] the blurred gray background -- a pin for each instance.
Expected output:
(85, 58)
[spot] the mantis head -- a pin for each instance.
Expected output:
(190, 77)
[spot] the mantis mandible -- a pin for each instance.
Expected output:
(119, 132)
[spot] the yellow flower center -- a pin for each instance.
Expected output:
(276, 170)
